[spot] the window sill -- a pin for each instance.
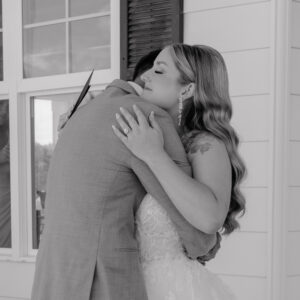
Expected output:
(27, 259)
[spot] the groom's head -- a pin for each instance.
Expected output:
(144, 64)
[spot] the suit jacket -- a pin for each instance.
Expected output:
(95, 184)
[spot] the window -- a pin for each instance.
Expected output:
(55, 45)
(5, 213)
(65, 36)
(47, 113)
(1, 43)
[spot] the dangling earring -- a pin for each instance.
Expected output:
(180, 107)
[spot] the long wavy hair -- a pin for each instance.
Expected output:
(210, 110)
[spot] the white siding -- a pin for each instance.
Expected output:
(293, 250)
(225, 35)
(293, 288)
(195, 5)
(251, 117)
(293, 206)
(16, 280)
(295, 67)
(257, 205)
(244, 31)
(247, 287)
(242, 253)
(229, 26)
(294, 209)
(249, 72)
(255, 155)
(295, 116)
(294, 166)
(295, 24)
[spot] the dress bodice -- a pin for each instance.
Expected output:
(156, 233)
(168, 273)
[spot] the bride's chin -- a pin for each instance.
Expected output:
(145, 97)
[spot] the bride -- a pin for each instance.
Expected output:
(191, 83)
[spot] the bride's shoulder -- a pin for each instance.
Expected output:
(197, 141)
(192, 138)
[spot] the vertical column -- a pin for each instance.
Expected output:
(279, 136)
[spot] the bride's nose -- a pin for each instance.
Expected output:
(145, 77)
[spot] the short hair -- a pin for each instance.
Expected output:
(145, 63)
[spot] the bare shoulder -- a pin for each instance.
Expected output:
(210, 160)
(201, 143)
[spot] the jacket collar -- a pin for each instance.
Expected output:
(123, 85)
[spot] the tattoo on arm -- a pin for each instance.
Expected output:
(202, 147)
(202, 143)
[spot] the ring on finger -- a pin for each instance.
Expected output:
(126, 130)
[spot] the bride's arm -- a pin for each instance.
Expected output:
(204, 199)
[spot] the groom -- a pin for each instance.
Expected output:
(88, 249)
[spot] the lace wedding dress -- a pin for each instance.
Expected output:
(168, 273)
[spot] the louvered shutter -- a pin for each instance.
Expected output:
(147, 25)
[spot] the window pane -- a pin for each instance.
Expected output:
(0, 13)
(90, 44)
(35, 11)
(47, 113)
(1, 56)
(79, 7)
(5, 220)
(44, 50)
(1, 44)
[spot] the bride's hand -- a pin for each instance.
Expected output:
(142, 137)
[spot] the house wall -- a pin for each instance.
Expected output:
(16, 280)
(293, 207)
(242, 32)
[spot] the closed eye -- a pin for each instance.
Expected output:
(158, 72)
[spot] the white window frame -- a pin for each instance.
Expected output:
(19, 92)
(4, 251)
(1, 31)
(96, 88)
(75, 79)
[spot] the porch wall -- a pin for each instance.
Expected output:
(242, 32)
(293, 207)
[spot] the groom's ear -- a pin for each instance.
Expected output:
(188, 90)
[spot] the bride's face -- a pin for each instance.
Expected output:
(162, 86)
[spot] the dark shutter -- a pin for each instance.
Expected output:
(147, 25)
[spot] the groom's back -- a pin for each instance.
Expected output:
(90, 166)
(92, 195)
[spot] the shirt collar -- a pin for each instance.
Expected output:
(137, 88)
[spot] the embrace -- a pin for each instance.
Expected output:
(143, 180)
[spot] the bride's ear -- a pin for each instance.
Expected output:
(188, 91)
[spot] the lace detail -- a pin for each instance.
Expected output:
(156, 233)
(168, 273)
